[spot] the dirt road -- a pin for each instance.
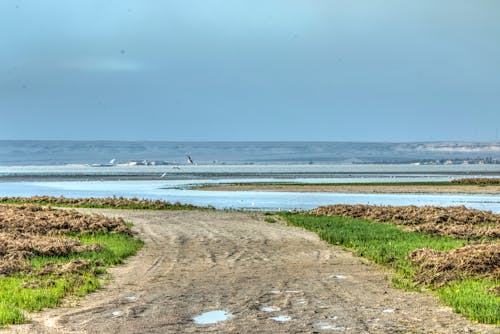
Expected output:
(199, 261)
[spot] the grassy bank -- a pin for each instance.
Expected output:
(390, 245)
(101, 203)
(47, 255)
(34, 291)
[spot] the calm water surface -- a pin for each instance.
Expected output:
(170, 191)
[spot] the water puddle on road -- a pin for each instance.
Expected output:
(269, 308)
(212, 317)
(131, 298)
(338, 276)
(330, 327)
(117, 313)
(281, 318)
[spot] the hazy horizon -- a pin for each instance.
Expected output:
(496, 142)
(101, 152)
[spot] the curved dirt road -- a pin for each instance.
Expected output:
(198, 261)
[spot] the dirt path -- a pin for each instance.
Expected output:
(363, 189)
(198, 261)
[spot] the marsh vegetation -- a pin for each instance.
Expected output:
(48, 254)
(453, 251)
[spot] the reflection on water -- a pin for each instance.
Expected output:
(212, 317)
(281, 318)
(252, 200)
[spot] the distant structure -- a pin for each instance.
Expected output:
(189, 160)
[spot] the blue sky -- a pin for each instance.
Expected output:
(250, 70)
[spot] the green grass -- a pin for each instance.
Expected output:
(48, 291)
(117, 246)
(389, 245)
(379, 242)
(9, 315)
(471, 298)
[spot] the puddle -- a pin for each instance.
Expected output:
(117, 313)
(388, 310)
(324, 325)
(338, 276)
(131, 298)
(269, 308)
(281, 318)
(212, 317)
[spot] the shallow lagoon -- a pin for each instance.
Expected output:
(175, 191)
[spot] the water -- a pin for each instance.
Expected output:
(117, 313)
(59, 168)
(212, 317)
(417, 172)
(338, 276)
(328, 326)
(269, 309)
(281, 318)
(19, 153)
(252, 200)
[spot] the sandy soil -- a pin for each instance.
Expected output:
(198, 261)
(370, 188)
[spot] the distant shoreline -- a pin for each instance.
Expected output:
(384, 188)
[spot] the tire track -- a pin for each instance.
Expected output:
(272, 278)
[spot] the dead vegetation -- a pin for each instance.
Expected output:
(110, 202)
(29, 230)
(470, 261)
(454, 221)
(478, 180)
(36, 219)
(475, 260)
(75, 266)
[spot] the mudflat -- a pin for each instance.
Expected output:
(199, 261)
(368, 188)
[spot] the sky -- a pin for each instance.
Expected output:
(234, 70)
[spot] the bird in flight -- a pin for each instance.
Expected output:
(189, 160)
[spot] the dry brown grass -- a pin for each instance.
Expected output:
(476, 260)
(112, 202)
(477, 180)
(16, 248)
(75, 266)
(455, 221)
(27, 231)
(36, 219)
(470, 261)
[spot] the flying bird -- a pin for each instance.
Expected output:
(189, 160)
